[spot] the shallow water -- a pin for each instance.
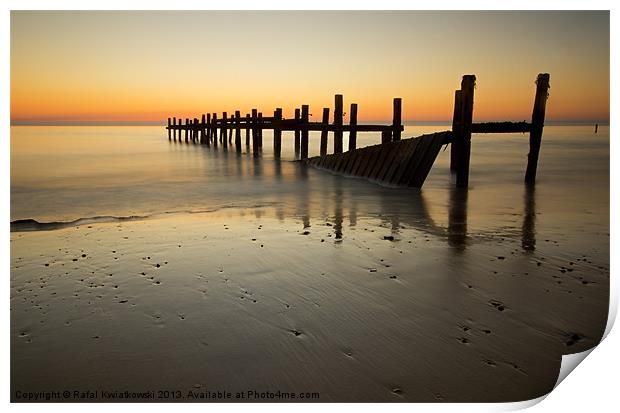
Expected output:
(253, 251)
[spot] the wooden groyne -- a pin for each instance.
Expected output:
(393, 162)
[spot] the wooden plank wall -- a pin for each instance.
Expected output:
(403, 163)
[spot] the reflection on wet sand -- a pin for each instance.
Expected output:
(528, 237)
(322, 196)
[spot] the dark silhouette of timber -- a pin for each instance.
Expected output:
(394, 162)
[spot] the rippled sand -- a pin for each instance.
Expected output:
(239, 301)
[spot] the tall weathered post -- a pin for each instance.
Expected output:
(297, 133)
(195, 130)
(174, 130)
(304, 131)
(277, 133)
(396, 120)
(338, 124)
(186, 130)
(324, 131)
(462, 141)
(353, 123)
(538, 122)
(169, 131)
(238, 130)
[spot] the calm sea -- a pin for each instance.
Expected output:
(66, 173)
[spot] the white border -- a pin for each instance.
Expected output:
(592, 386)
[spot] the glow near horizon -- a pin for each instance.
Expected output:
(145, 66)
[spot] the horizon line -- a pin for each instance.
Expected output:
(409, 122)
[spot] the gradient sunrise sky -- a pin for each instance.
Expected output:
(143, 66)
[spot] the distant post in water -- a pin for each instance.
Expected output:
(208, 130)
(304, 131)
(353, 123)
(238, 130)
(203, 126)
(324, 131)
(169, 131)
(186, 130)
(174, 130)
(462, 140)
(538, 122)
(297, 133)
(214, 129)
(195, 131)
(277, 133)
(396, 120)
(223, 132)
(254, 132)
(338, 124)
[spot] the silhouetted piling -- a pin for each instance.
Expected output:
(254, 132)
(214, 129)
(396, 119)
(169, 130)
(338, 124)
(277, 133)
(297, 133)
(304, 131)
(538, 122)
(461, 144)
(324, 131)
(238, 130)
(353, 124)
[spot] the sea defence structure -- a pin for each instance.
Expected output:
(395, 161)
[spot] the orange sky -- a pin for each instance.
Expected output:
(145, 66)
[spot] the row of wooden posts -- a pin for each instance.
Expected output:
(462, 128)
(205, 130)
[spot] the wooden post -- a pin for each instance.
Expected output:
(174, 131)
(230, 130)
(338, 124)
(396, 120)
(353, 123)
(386, 136)
(324, 131)
(203, 126)
(456, 125)
(195, 131)
(297, 133)
(277, 133)
(223, 132)
(238, 130)
(254, 132)
(247, 129)
(208, 129)
(538, 122)
(169, 131)
(463, 143)
(186, 130)
(214, 129)
(304, 131)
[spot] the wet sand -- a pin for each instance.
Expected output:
(240, 300)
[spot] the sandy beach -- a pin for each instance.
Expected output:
(239, 300)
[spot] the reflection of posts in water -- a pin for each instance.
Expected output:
(528, 231)
(258, 166)
(338, 209)
(457, 218)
